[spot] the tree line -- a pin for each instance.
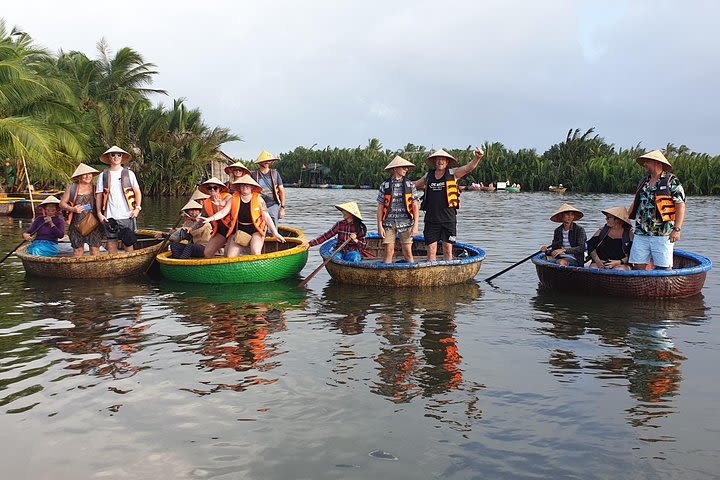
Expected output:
(583, 161)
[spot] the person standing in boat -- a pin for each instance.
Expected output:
(273, 191)
(79, 201)
(217, 197)
(47, 228)
(659, 213)
(249, 219)
(352, 228)
(568, 244)
(442, 200)
(610, 247)
(398, 212)
(117, 196)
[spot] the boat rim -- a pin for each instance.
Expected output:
(704, 264)
(478, 257)
(300, 246)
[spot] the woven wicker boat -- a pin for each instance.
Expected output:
(464, 266)
(94, 266)
(278, 261)
(557, 189)
(685, 279)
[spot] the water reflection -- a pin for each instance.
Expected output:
(234, 327)
(621, 339)
(417, 355)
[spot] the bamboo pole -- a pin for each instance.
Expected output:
(30, 188)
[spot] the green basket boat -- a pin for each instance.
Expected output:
(276, 262)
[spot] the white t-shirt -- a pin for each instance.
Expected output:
(117, 206)
(566, 239)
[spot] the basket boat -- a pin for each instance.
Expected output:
(95, 266)
(512, 189)
(557, 189)
(276, 262)
(487, 189)
(685, 279)
(462, 268)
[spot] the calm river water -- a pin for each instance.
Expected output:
(157, 380)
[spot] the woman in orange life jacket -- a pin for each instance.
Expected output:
(79, 200)
(441, 199)
(247, 213)
(217, 196)
(610, 247)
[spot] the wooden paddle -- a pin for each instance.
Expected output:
(513, 266)
(163, 245)
(309, 277)
(13, 251)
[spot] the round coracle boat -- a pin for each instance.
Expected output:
(557, 189)
(462, 268)
(95, 266)
(276, 262)
(685, 279)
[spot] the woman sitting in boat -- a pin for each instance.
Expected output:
(48, 229)
(350, 227)
(248, 223)
(217, 195)
(568, 245)
(189, 240)
(79, 201)
(610, 246)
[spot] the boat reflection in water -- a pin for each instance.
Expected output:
(621, 339)
(233, 328)
(417, 355)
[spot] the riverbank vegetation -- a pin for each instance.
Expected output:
(583, 161)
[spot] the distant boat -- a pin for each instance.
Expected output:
(558, 189)
(489, 188)
(512, 189)
(365, 187)
(501, 185)
(335, 186)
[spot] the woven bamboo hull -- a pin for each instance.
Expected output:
(90, 266)
(558, 189)
(686, 279)
(418, 274)
(278, 261)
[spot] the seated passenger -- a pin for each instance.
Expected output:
(217, 196)
(189, 240)
(48, 229)
(350, 227)
(568, 245)
(610, 246)
(249, 219)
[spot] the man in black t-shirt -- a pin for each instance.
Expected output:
(442, 199)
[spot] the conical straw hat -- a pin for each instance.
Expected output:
(398, 161)
(656, 155)
(350, 207)
(198, 195)
(566, 207)
(237, 164)
(452, 161)
(247, 180)
(191, 205)
(51, 200)
(620, 213)
(105, 157)
(82, 169)
(266, 156)
(213, 181)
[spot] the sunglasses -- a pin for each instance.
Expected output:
(238, 170)
(214, 187)
(116, 154)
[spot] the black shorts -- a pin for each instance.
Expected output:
(445, 231)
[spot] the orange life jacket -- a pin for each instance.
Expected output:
(407, 196)
(664, 204)
(256, 213)
(452, 193)
(126, 186)
(211, 209)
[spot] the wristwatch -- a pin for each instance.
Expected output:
(138, 207)
(676, 229)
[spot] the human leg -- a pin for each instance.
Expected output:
(389, 243)
(406, 241)
(215, 243)
(352, 257)
(640, 253)
(661, 251)
(432, 233)
(256, 244)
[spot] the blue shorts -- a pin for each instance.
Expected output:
(650, 247)
(352, 257)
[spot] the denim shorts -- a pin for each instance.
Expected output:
(652, 247)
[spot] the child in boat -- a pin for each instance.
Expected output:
(610, 247)
(48, 229)
(398, 211)
(189, 240)
(350, 227)
(568, 245)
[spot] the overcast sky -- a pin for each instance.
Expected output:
(281, 74)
